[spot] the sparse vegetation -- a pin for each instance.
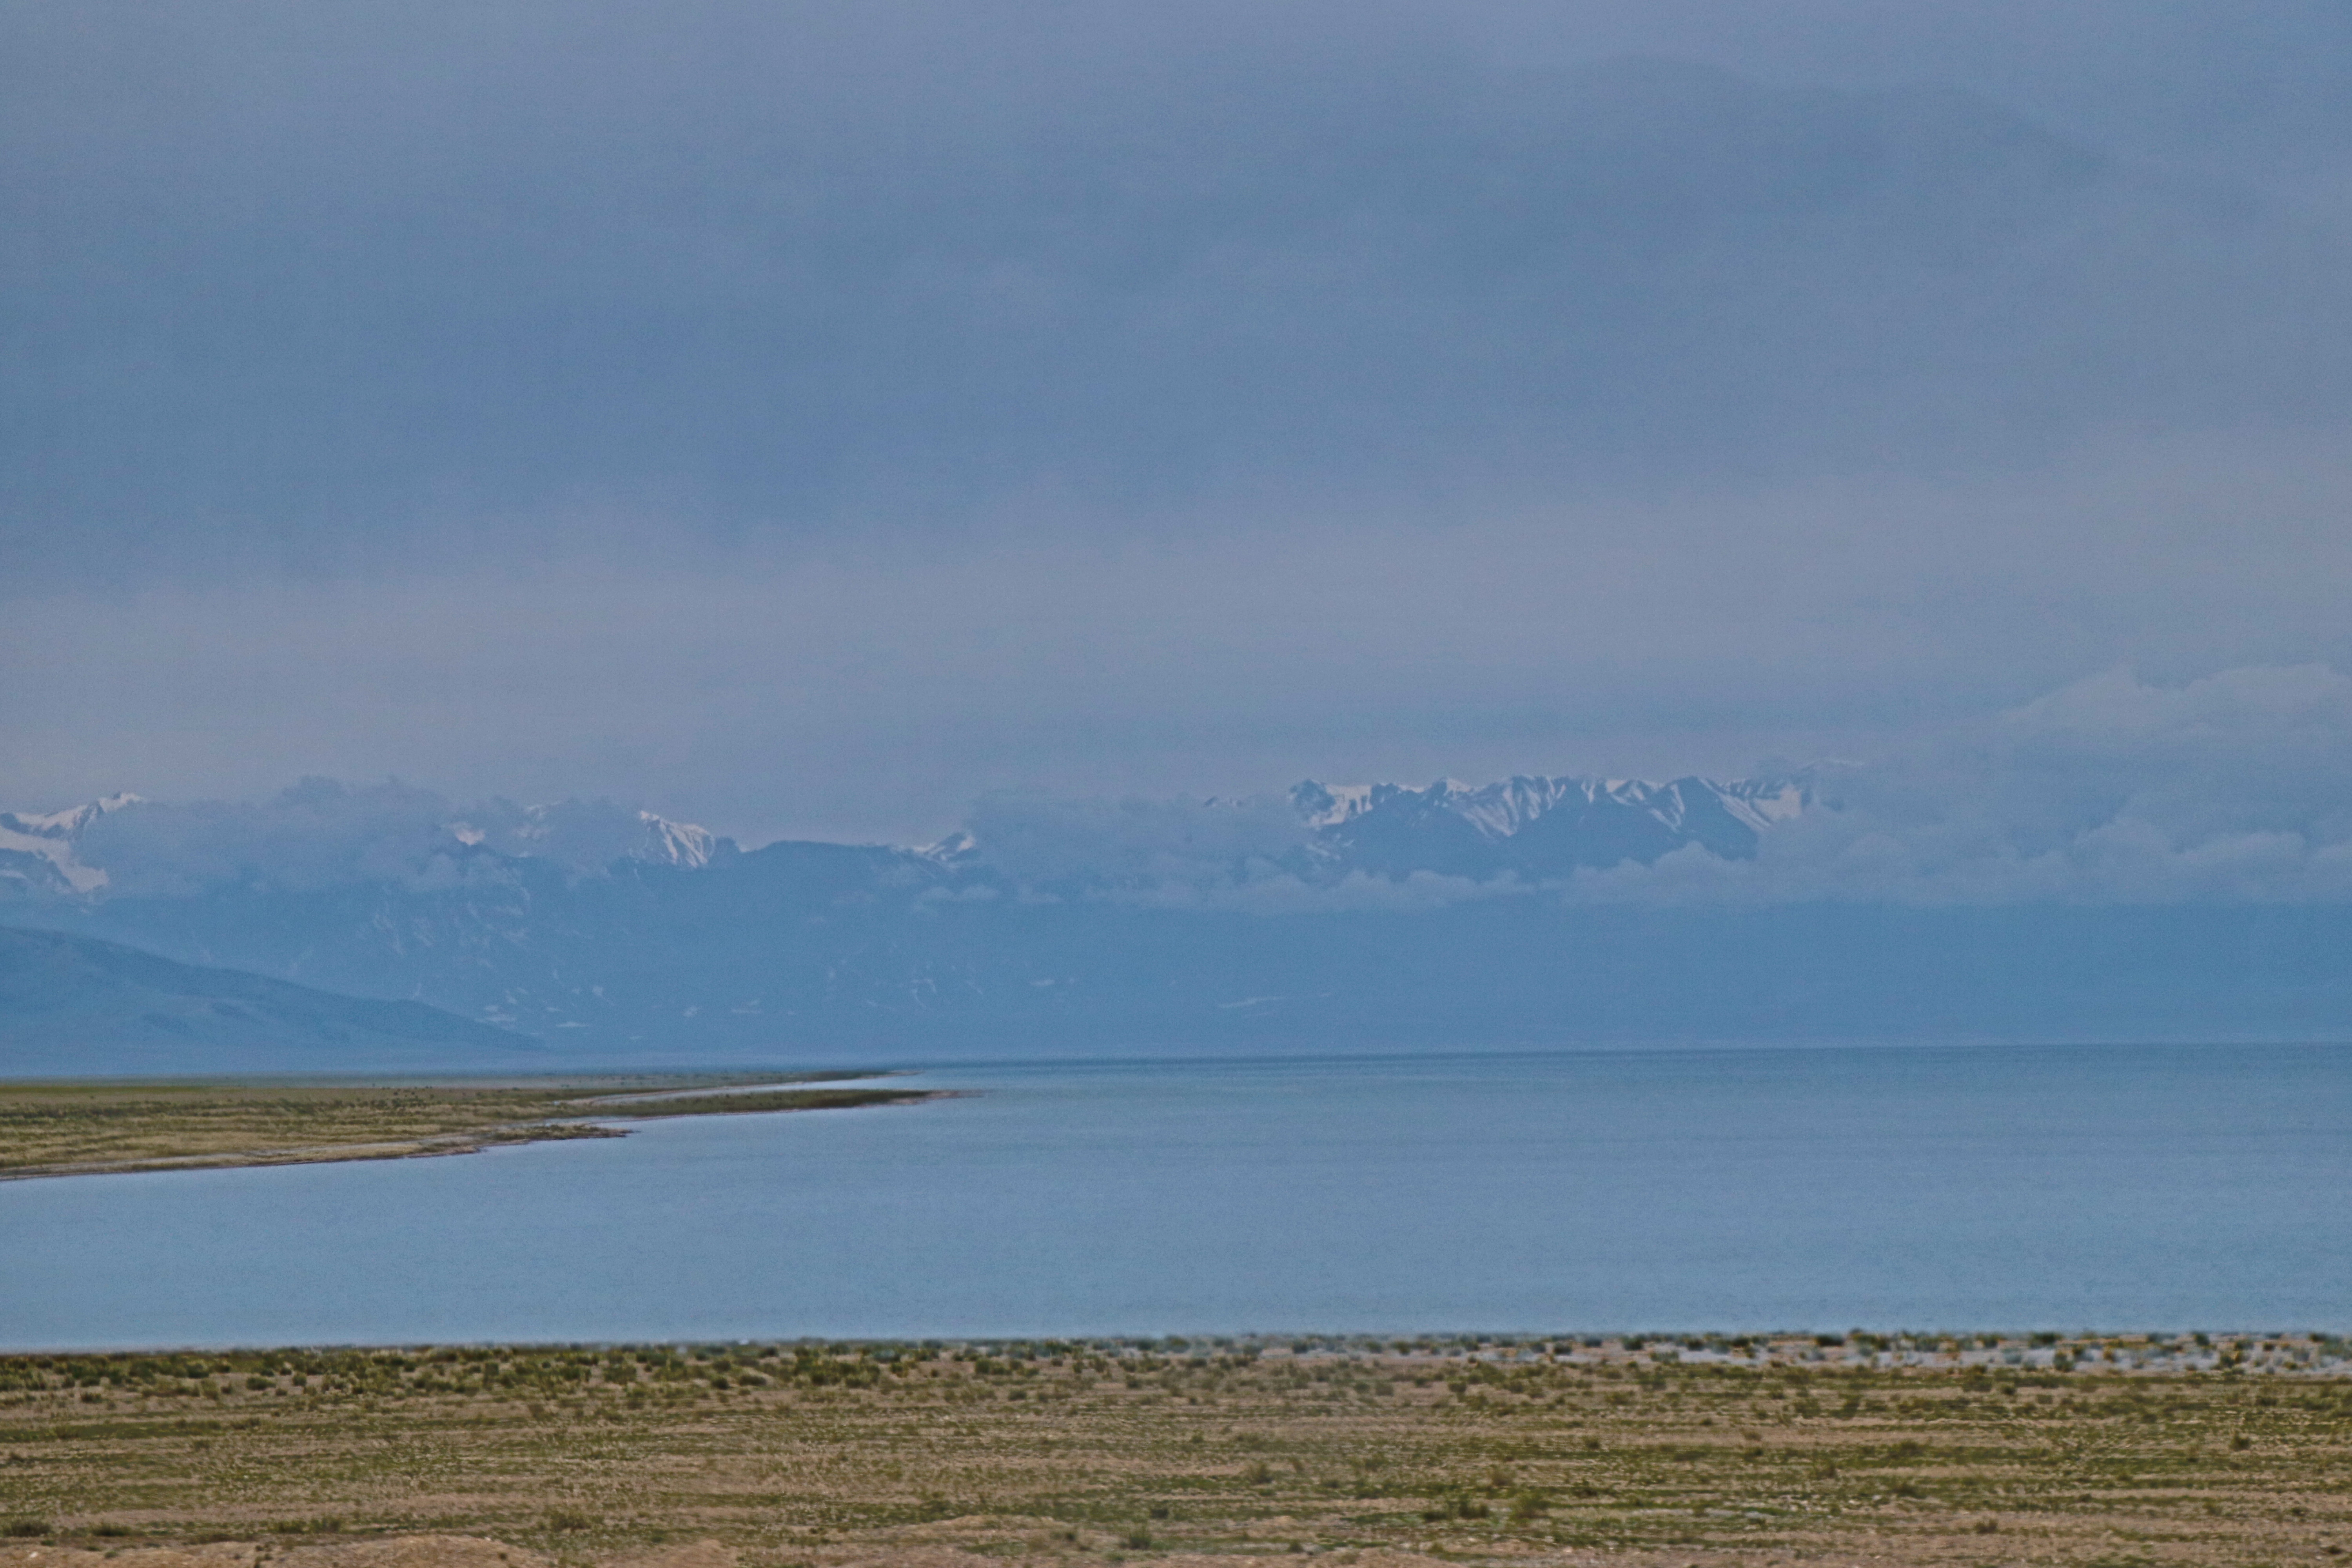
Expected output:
(58, 1128)
(822, 1453)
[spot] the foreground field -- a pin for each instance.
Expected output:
(827, 1455)
(66, 1129)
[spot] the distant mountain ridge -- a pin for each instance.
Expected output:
(87, 851)
(609, 929)
(1538, 828)
(76, 1006)
(573, 825)
(1532, 826)
(1336, 916)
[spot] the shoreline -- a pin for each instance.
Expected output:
(167, 1127)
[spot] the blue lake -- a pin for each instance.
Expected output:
(2163, 1187)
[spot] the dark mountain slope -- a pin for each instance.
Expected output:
(74, 1006)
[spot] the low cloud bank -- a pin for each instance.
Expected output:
(2234, 788)
(322, 833)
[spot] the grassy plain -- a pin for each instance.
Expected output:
(76, 1128)
(1388, 1455)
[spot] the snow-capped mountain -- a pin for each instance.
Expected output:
(671, 843)
(553, 916)
(42, 852)
(1535, 827)
(323, 834)
(1448, 914)
(587, 834)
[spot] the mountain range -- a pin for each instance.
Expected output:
(1537, 828)
(1533, 828)
(74, 1006)
(1339, 916)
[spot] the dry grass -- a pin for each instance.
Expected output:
(79, 1128)
(827, 1455)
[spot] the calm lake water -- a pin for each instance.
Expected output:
(2051, 1187)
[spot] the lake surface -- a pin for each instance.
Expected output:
(2054, 1187)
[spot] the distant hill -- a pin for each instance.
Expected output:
(76, 1006)
(1342, 916)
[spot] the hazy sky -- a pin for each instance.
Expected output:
(806, 418)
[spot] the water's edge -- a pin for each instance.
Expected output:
(2160, 1188)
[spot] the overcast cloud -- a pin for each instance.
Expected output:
(809, 419)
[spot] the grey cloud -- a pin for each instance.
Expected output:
(2234, 788)
(811, 416)
(316, 834)
(873, 693)
(425, 283)
(322, 833)
(1163, 850)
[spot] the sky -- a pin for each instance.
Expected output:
(809, 419)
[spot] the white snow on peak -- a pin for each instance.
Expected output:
(954, 847)
(671, 843)
(42, 852)
(1761, 803)
(590, 834)
(68, 824)
(45, 845)
(1502, 809)
(1499, 810)
(1328, 805)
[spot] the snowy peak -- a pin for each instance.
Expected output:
(587, 835)
(671, 843)
(1760, 802)
(1330, 805)
(41, 853)
(320, 833)
(956, 849)
(1541, 826)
